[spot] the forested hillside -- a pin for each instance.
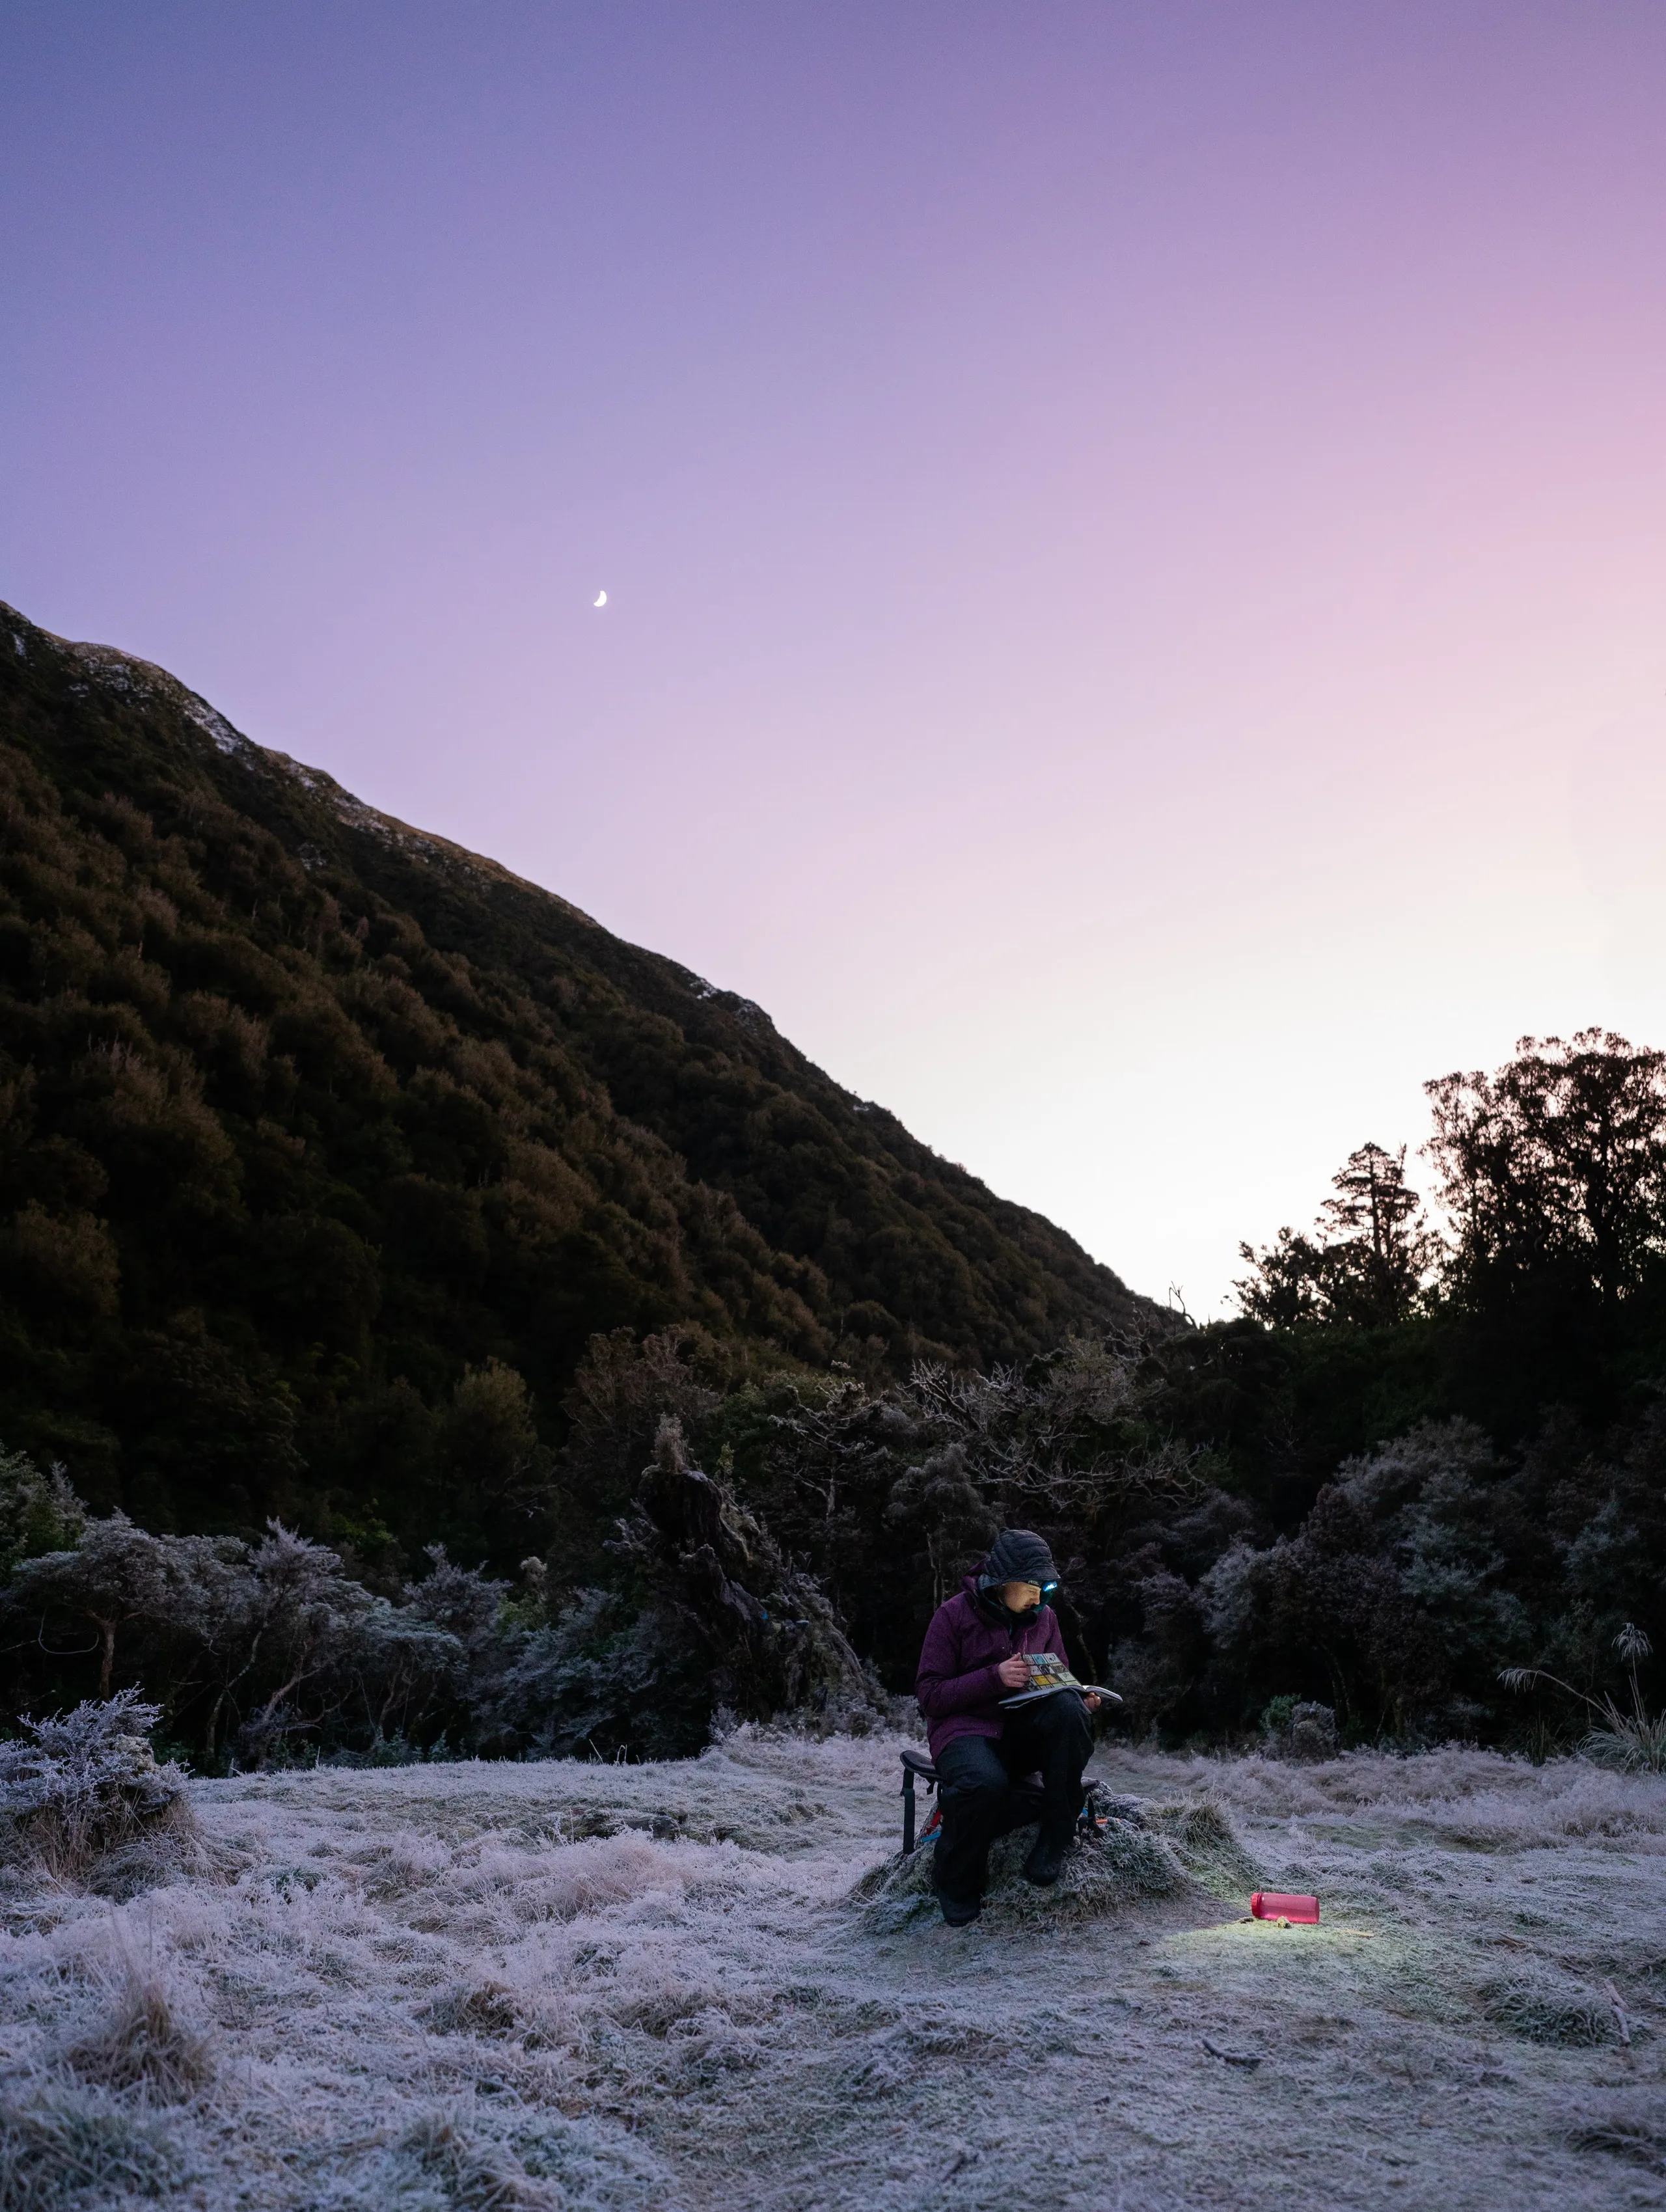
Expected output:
(325, 1147)
(347, 1180)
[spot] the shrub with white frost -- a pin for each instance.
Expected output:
(81, 1783)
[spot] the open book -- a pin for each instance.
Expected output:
(1049, 1675)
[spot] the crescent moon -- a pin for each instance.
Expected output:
(600, 600)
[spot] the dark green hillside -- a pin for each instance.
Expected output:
(325, 1146)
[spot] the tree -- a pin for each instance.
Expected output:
(38, 1512)
(1059, 1442)
(1371, 1254)
(621, 1393)
(939, 1505)
(117, 1575)
(1380, 1249)
(1286, 1284)
(766, 1638)
(489, 1447)
(1555, 1166)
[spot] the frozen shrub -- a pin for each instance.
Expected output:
(120, 1580)
(594, 1680)
(1395, 1575)
(253, 1646)
(1296, 1729)
(755, 1634)
(83, 1782)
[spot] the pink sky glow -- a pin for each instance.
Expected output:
(1135, 535)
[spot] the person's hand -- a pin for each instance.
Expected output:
(1092, 1700)
(1014, 1672)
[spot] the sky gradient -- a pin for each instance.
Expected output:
(1135, 535)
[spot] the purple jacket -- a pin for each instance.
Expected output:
(958, 1690)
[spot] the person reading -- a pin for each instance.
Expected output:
(975, 1660)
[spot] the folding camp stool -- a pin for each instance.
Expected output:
(1096, 1802)
(916, 1767)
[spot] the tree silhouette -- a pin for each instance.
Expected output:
(1367, 1261)
(1555, 1166)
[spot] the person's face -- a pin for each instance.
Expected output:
(1019, 1597)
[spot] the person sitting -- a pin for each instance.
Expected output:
(975, 1655)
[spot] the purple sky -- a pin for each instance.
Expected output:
(1135, 534)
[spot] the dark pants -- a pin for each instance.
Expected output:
(983, 1795)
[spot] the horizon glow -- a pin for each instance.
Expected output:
(1134, 538)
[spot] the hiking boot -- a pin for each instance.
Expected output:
(960, 1911)
(1046, 1861)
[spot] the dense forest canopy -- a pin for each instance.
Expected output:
(326, 1147)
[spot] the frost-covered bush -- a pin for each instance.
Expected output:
(1395, 1575)
(1299, 1729)
(730, 1622)
(81, 1783)
(253, 1650)
(592, 1681)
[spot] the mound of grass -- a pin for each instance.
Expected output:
(1625, 2129)
(1143, 1851)
(1198, 1832)
(67, 2147)
(480, 2008)
(143, 2045)
(1541, 2010)
(538, 2164)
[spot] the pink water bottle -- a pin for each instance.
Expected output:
(1273, 1905)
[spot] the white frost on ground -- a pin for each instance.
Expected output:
(611, 1989)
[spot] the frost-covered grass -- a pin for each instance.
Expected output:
(605, 1988)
